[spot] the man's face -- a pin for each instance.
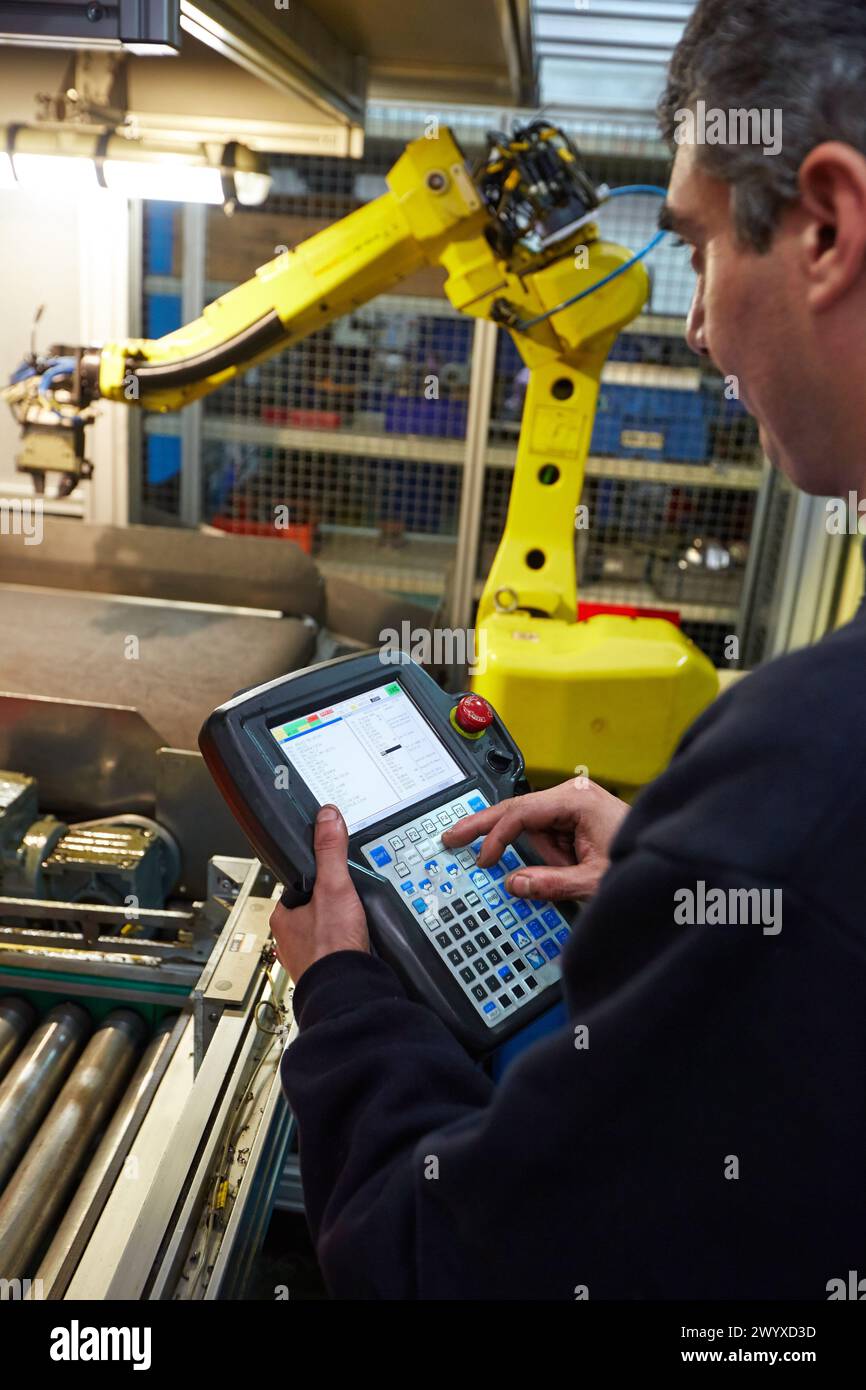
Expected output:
(749, 316)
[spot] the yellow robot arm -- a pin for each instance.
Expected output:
(431, 202)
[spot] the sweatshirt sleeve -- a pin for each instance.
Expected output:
(643, 1150)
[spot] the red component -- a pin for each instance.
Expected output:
(626, 610)
(473, 714)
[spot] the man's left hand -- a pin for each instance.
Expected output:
(333, 919)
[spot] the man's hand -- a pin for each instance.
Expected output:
(571, 827)
(333, 919)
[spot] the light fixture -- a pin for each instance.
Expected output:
(79, 159)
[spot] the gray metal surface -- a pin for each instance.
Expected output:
(35, 1079)
(35, 1196)
(172, 661)
(88, 758)
(189, 805)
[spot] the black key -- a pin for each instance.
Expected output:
(482, 939)
(446, 914)
(495, 932)
(484, 914)
(469, 949)
(531, 982)
(504, 1002)
(507, 948)
(459, 905)
(457, 932)
(469, 975)
(455, 957)
(481, 967)
(443, 939)
(470, 923)
(518, 991)
(519, 965)
(479, 991)
(494, 957)
(493, 984)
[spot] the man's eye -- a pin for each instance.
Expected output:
(678, 241)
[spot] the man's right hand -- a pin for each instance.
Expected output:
(571, 827)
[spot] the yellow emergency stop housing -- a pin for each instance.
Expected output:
(607, 698)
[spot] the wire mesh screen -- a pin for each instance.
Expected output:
(359, 431)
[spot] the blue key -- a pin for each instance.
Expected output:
(550, 948)
(510, 860)
(424, 884)
(562, 935)
(506, 918)
(446, 888)
(521, 939)
(489, 1007)
(477, 804)
(420, 906)
(452, 869)
(476, 846)
(551, 918)
(537, 905)
(495, 872)
(522, 908)
(537, 928)
(380, 856)
(492, 898)
(479, 878)
(407, 887)
(535, 958)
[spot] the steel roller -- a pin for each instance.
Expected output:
(17, 1018)
(36, 1193)
(74, 1226)
(35, 1078)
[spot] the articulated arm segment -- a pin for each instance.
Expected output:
(534, 567)
(431, 202)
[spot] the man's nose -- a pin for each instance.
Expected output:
(695, 334)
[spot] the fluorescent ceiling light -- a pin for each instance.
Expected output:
(173, 182)
(55, 172)
(75, 159)
(7, 177)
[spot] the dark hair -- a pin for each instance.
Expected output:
(805, 58)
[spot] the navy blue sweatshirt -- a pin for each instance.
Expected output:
(710, 1140)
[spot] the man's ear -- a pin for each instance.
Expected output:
(833, 200)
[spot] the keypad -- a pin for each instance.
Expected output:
(463, 910)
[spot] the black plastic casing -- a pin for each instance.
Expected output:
(246, 761)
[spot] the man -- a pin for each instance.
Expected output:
(698, 1127)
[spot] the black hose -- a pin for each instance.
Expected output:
(259, 337)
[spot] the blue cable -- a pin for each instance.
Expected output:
(621, 192)
(627, 188)
(62, 367)
(21, 373)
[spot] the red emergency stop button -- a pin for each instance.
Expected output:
(472, 715)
